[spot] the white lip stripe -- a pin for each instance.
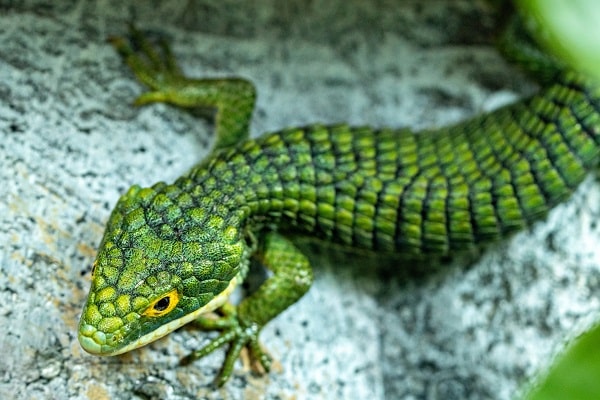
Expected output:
(167, 328)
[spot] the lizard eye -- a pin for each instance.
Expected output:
(162, 305)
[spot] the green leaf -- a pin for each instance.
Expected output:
(568, 28)
(576, 374)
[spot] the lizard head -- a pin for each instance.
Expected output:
(164, 259)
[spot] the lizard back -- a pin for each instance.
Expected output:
(432, 192)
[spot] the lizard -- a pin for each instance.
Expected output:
(173, 252)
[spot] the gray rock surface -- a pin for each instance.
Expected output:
(71, 143)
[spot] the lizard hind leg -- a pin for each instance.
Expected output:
(519, 46)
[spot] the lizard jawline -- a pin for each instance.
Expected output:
(169, 327)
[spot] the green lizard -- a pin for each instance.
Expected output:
(172, 252)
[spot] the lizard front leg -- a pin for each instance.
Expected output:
(232, 98)
(241, 325)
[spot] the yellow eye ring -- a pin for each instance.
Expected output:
(163, 305)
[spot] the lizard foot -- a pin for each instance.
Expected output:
(152, 63)
(238, 335)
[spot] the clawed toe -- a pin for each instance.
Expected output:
(152, 63)
(235, 334)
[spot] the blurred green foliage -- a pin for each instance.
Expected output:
(570, 29)
(576, 374)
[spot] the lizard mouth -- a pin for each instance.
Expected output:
(100, 343)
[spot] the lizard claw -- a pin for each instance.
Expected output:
(238, 335)
(152, 62)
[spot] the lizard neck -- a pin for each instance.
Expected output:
(273, 180)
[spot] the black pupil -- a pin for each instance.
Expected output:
(162, 304)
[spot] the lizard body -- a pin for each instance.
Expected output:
(172, 252)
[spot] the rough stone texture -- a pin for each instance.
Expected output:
(71, 143)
